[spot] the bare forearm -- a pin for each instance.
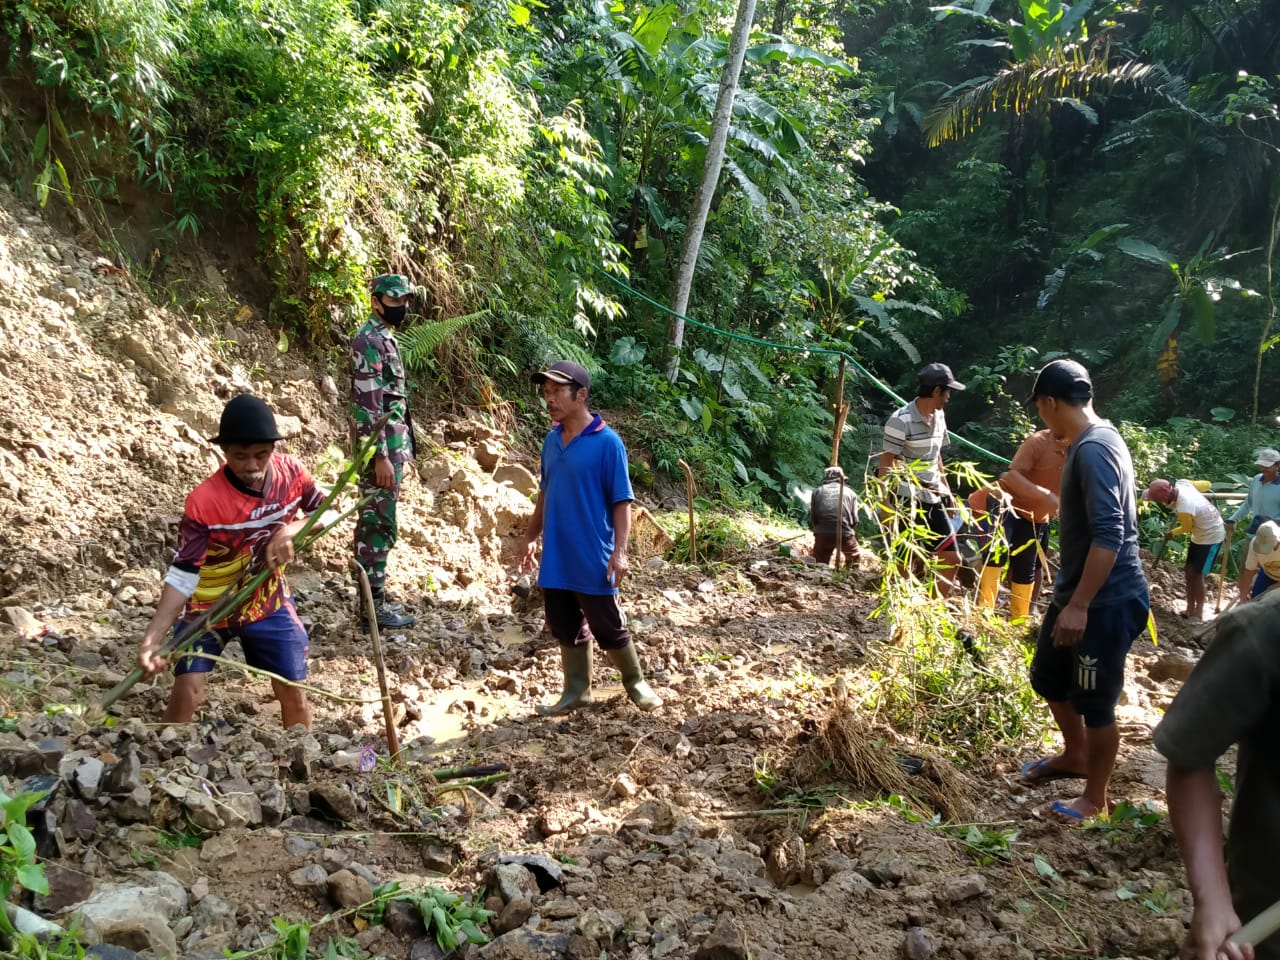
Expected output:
(1195, 810)
(170, 607)
(621, 525)
(1029, 494)
(1097, 567)
(534, 530)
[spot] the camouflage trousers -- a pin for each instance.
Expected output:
(376, 528)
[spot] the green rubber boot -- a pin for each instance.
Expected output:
(576, 661)
(638, 689)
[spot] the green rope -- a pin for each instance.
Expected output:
(829, 351)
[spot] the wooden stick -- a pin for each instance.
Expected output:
(388, 718)
(453, 773)
(477, 782)
(841, 412)
(1259, 928)
(1222, 574)
(690, 489)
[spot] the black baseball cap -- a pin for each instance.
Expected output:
(564, 371)
(1063, 380)
(939, 375)
(246, 419)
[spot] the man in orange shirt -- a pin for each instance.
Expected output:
(1032, 481)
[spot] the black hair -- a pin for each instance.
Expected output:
(926, 390)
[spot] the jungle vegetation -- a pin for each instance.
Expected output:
(988, 182)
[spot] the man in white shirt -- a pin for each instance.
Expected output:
(914, 436)
(1200, 518)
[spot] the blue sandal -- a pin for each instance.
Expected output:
(1040, 770)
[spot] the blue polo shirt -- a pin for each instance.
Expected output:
(581, 483)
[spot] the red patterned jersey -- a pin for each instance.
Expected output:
(226, 526)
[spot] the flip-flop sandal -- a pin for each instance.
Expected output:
(1062, 810)
(1039, 771)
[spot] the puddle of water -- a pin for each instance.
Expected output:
(512, 635)
(475, 708)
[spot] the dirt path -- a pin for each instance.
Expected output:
(716, 827)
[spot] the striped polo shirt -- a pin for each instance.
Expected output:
(918, 440)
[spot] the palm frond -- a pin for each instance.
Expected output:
(418, 344)
(1061, 73)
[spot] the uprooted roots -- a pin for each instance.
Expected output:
(848, 747)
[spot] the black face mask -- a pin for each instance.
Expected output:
(394, 316)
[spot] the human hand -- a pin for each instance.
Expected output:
(149, 660)
(618, 567)
(525, 555)
(1069, 627)
(1208, 936)
(384, 475)
(280, 547)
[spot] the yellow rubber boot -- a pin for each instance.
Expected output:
(1020, 600)
(989, 587)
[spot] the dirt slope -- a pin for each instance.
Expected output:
(677, 834)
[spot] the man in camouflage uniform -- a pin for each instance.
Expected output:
(377, 388)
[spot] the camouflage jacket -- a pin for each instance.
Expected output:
(377, 387)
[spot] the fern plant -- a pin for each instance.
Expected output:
(418, 343)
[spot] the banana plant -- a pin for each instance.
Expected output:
(1198, 287)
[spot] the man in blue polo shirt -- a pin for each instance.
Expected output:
(583, 515)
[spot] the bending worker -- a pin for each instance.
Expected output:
(1032, 481)
(1200, 518)
(1262, 504)
(828, 510)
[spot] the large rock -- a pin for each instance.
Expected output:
(136, 915)
(348, 889)
(723, 943)
(124, 777)
(512, 882)
(201, 809)
(66, 888)
(516, 477)
(311, 879)
(334, 801)
(526, 944)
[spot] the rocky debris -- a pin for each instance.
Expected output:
(135, 915)
(918, 944)
(349, 889)
(724, 943)
(311, 879)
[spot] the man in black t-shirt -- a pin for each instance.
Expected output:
(1232, 696)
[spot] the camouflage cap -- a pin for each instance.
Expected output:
(392, 285)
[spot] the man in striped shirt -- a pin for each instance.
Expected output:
(913, 440)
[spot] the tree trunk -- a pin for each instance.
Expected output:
(710, 177)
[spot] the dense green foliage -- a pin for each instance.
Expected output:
(1104, 183)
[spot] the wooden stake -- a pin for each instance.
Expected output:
(842, 414)
(1222, 574)
(690, 489)
(388, 718)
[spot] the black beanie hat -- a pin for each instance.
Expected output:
(246, 419)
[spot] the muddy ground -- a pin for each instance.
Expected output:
(729, 823)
